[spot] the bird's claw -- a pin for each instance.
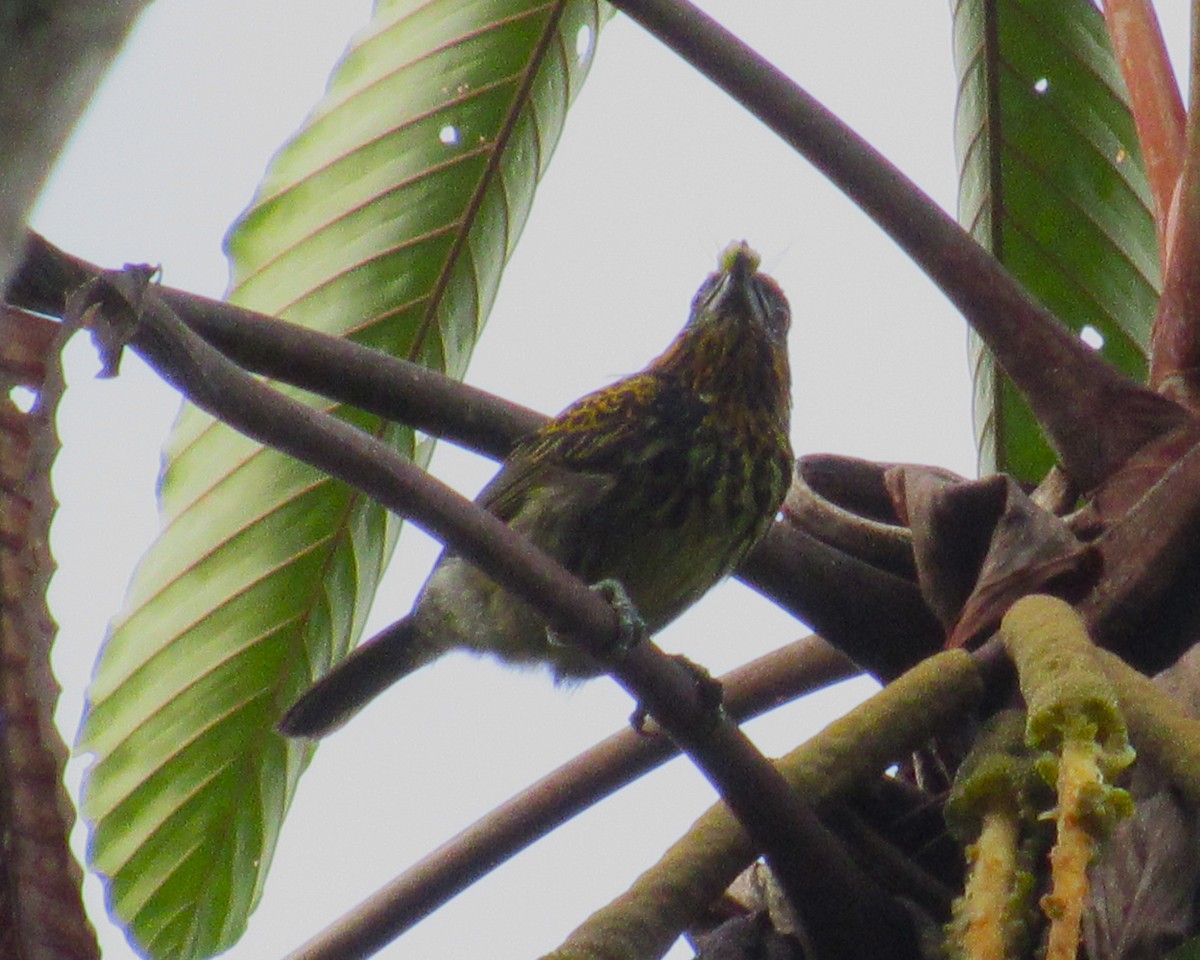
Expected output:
(631, 628)
(631, 631)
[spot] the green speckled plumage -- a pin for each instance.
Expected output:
(663, 481)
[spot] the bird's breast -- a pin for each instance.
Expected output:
(683, 512)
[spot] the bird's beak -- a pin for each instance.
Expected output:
(741, 263)
(735, 294)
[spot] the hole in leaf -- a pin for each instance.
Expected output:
(22, 398)
(1092, 337)
(1041, 85)
(449, 135)
(583, 43)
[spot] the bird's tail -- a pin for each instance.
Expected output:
(369, 670)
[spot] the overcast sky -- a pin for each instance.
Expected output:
(655, 173)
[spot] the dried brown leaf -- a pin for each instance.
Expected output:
(981, 544)
(41, 911)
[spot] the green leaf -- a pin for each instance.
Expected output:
(1052, 183)
(388, 219)
(1188, 950)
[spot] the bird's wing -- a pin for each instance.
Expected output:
(593, 438)
(511, 488)
(595, 431)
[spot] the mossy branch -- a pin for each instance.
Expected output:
(984, 916)
(1062, 680)
(1158, 725)
(1073, 713)
(986, 810)
(1079, 777)
(645, 920)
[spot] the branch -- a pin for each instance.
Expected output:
(902, 716)
(874, 615)
(840, 908)
(1143, 607)
(54, 53)
(1093, 416)
(340, 369)
(42, 913)
(782, 675)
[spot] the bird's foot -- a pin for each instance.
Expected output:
(631, 631)
(631, 628)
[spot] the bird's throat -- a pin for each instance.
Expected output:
(738, 369)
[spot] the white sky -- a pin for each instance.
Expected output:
(655, 173)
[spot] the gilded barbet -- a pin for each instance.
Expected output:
(662, 481)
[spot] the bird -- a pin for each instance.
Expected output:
(662, 482)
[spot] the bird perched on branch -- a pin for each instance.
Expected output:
(662, 481)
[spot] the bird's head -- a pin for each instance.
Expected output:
(734, 348)
(738, 292)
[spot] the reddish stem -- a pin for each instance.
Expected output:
(1154, 99)
(1174, 341)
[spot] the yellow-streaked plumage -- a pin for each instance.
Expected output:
(662, 481)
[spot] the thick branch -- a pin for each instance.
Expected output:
(41, 906)
(1144, 606)
(876, 617)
